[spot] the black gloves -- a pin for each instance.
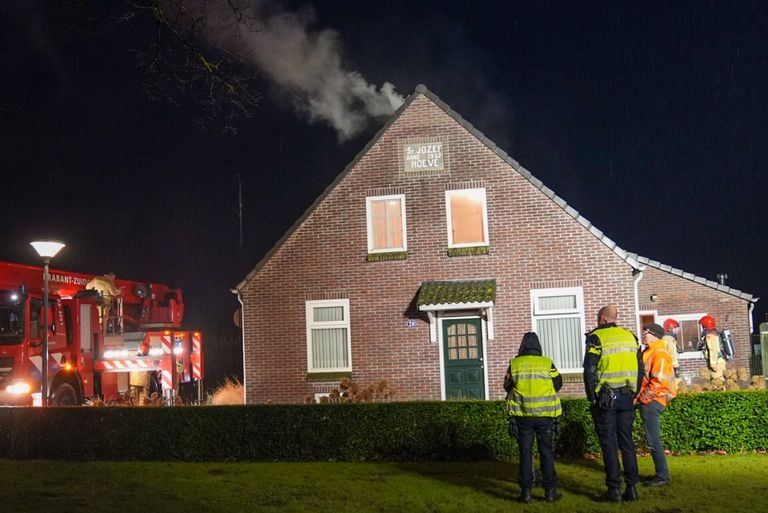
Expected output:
(513, 428)
(556, 427)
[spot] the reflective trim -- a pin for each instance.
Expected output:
(532, 376)
(529, 410)
(533, 394)
(608, 351)
(618, 375)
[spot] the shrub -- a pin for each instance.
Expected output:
(453, 430)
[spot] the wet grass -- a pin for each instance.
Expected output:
(702, 484)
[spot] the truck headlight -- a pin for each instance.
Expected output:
(18, 388)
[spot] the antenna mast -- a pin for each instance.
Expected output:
(240, 207)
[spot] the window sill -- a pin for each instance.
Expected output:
(328, 376)
(573, 377)
(469, 251)
(386, 257)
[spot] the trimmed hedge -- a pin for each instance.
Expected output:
(477, 430)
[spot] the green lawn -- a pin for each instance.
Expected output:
(701, 484)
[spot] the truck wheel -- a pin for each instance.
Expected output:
(64, 395)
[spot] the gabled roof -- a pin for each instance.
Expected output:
(458, 293)
(698, 279)
(634, 260)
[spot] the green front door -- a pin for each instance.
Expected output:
(463, 357)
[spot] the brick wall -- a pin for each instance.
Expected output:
(533, 243)
(675, 296)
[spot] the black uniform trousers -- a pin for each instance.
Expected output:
(541, 427)
(614, 430)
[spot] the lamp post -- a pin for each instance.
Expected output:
(47, 249)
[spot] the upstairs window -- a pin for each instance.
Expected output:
(467, 218)
(386, 223)
(328, 342)
(558, 319)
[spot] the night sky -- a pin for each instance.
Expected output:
(649, 118)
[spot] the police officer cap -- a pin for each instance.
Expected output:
(654, 328)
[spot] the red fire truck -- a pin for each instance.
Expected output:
(88, 361)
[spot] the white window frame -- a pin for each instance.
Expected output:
(577, 312)
(683, 355)
(449, 224)
(312, 324)
(369, 220)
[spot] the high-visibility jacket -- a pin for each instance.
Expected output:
(617, 366)
(533, 392)
(659, 377)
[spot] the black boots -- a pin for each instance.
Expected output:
(614, 495)
(630, 494)
(552, 495)
(610, 495)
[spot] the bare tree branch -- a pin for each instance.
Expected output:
(188, 66)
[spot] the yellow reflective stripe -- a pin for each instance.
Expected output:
(533, 376)
(618, 375)
(541, 398)
(607, 351)
(544, 410)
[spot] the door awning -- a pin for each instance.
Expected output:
(456, 295)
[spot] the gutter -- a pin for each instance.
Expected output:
(638, 274)
(242, 341)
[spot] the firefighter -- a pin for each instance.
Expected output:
(105, 285)
(155, 383)
(671, 329)
(532, 382)
(656, 391)
(710, 337)
(613, 371)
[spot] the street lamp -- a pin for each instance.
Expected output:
(47, 249)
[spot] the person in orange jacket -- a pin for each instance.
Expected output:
(656, 391)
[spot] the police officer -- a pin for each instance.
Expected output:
(532, 382)
(613, 371)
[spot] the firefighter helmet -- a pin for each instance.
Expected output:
(708, 322)
(670, 324)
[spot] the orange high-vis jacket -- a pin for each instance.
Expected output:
(659, 378)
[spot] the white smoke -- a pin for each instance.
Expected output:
(308, 65)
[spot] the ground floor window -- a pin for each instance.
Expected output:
(558, 319)
(689, 332)
(328, 340)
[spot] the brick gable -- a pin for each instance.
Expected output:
(534, 242)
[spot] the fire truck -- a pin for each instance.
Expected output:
(90, 358)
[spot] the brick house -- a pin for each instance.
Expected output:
(427, 259)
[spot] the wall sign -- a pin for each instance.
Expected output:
(426, 156)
